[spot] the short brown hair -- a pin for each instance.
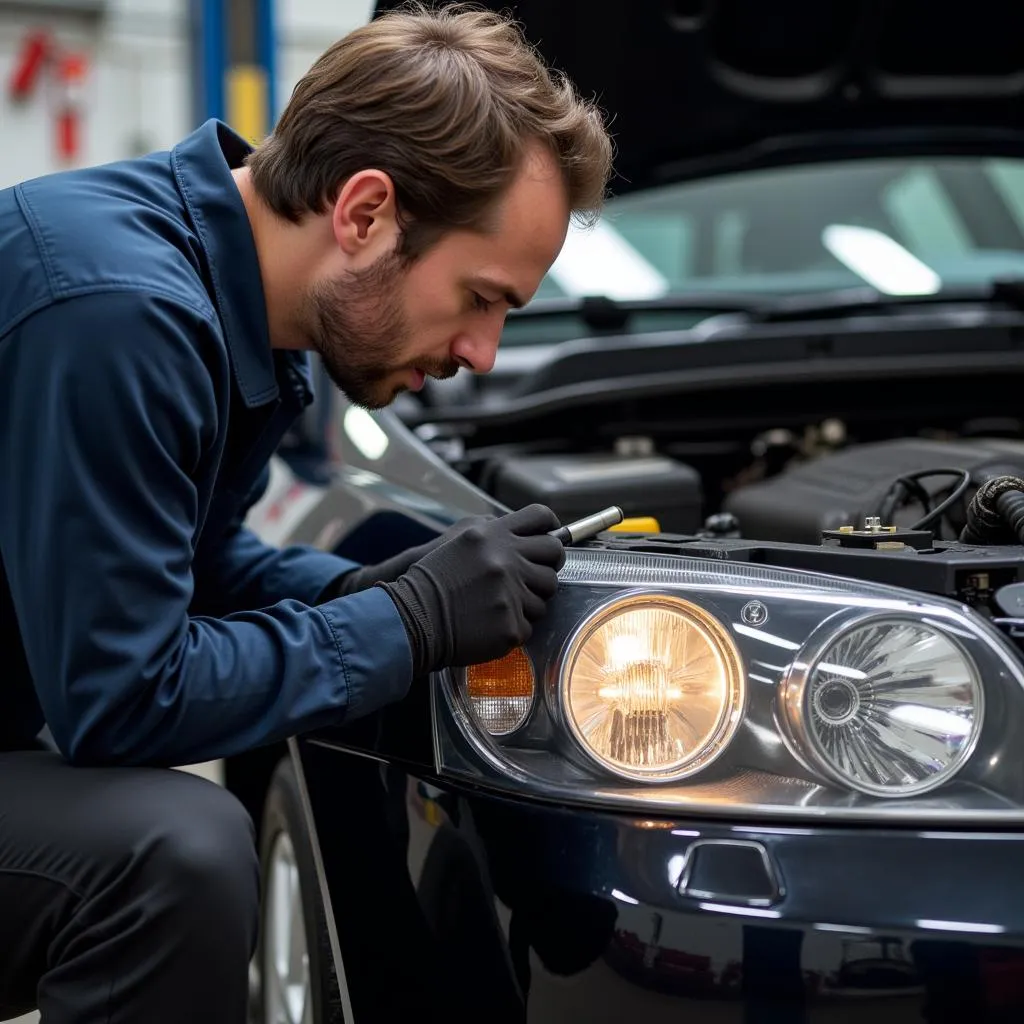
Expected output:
(445, 102)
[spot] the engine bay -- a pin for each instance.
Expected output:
(821, 515)
(784, 476)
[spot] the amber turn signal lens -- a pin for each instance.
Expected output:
(501, 692)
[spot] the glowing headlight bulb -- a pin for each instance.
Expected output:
(638, 691)
(652, 687)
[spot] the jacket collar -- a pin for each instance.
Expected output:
(202, 164)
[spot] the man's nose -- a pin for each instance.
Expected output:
(476, 351)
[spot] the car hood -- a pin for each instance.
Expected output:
(695, 87)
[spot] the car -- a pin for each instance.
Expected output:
(757, 760)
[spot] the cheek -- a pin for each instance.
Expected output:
(433, 320)
(430, 293)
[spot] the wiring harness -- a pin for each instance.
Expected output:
(909, 486)
(996, 513)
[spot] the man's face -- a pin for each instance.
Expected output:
(381, 329)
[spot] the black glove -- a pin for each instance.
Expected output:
(365, 576)
(476, 596)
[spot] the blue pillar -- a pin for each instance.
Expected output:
(234, 58)
(209, 59)
(267, 55)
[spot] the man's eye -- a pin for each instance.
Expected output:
(479, 302)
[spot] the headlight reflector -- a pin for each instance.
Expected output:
(652, 687)
(888, 707)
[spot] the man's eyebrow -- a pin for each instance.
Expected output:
(508, 294)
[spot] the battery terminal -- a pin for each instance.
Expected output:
(881, 538)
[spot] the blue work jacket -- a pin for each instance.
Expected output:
(140, 401)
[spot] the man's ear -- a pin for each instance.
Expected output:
(364, 218)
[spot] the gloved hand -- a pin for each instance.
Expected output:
(476, 596)
(365, 576)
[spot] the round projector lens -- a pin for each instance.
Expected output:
(652, 688)
(890, 707)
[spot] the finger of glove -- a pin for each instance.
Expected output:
(534, 606)
(532, 519)
(464, 524)
(493, 638)
(540, 580)
(522, 625)
(542, 550)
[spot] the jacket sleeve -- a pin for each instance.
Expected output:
(244, 572)
(110, 410)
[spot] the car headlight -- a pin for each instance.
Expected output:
(690, 685)
(888, 706)
(652, 687)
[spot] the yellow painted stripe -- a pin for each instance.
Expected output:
(247, 101)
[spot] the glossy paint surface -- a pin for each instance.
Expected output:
(455, 902)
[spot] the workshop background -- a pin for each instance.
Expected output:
(88, 81)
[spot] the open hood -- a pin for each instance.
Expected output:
(700, 86)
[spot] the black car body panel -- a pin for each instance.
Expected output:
(458, 903)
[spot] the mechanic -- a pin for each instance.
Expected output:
(155, 316)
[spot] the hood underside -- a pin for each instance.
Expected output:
(695, 87)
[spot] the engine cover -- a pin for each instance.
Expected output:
(843, 488)
(577, 485)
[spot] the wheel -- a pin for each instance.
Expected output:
(297, 983)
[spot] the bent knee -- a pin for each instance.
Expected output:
(205, 846)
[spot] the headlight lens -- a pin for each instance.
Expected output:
(889, 707)
(652, 687)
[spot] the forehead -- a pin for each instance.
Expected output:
(526, 233)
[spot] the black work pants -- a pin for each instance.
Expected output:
(127, 895)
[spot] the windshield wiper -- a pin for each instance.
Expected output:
(1008, 293)
(603, 313)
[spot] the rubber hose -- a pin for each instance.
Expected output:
(985, 522)
(1011, 508)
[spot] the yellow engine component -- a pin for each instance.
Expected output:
(638, 524)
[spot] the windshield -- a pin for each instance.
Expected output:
(902, 225)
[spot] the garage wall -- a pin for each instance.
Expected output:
(305, 29)
(137, 96)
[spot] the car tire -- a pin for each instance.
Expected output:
(296, 985)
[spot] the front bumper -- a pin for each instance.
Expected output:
(475, 907)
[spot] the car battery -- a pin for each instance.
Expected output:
(573, 486)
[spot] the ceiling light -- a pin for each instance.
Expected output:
(880, 260)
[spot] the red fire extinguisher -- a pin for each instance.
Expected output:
(70, 100)
(40, 55)
(29, 64)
